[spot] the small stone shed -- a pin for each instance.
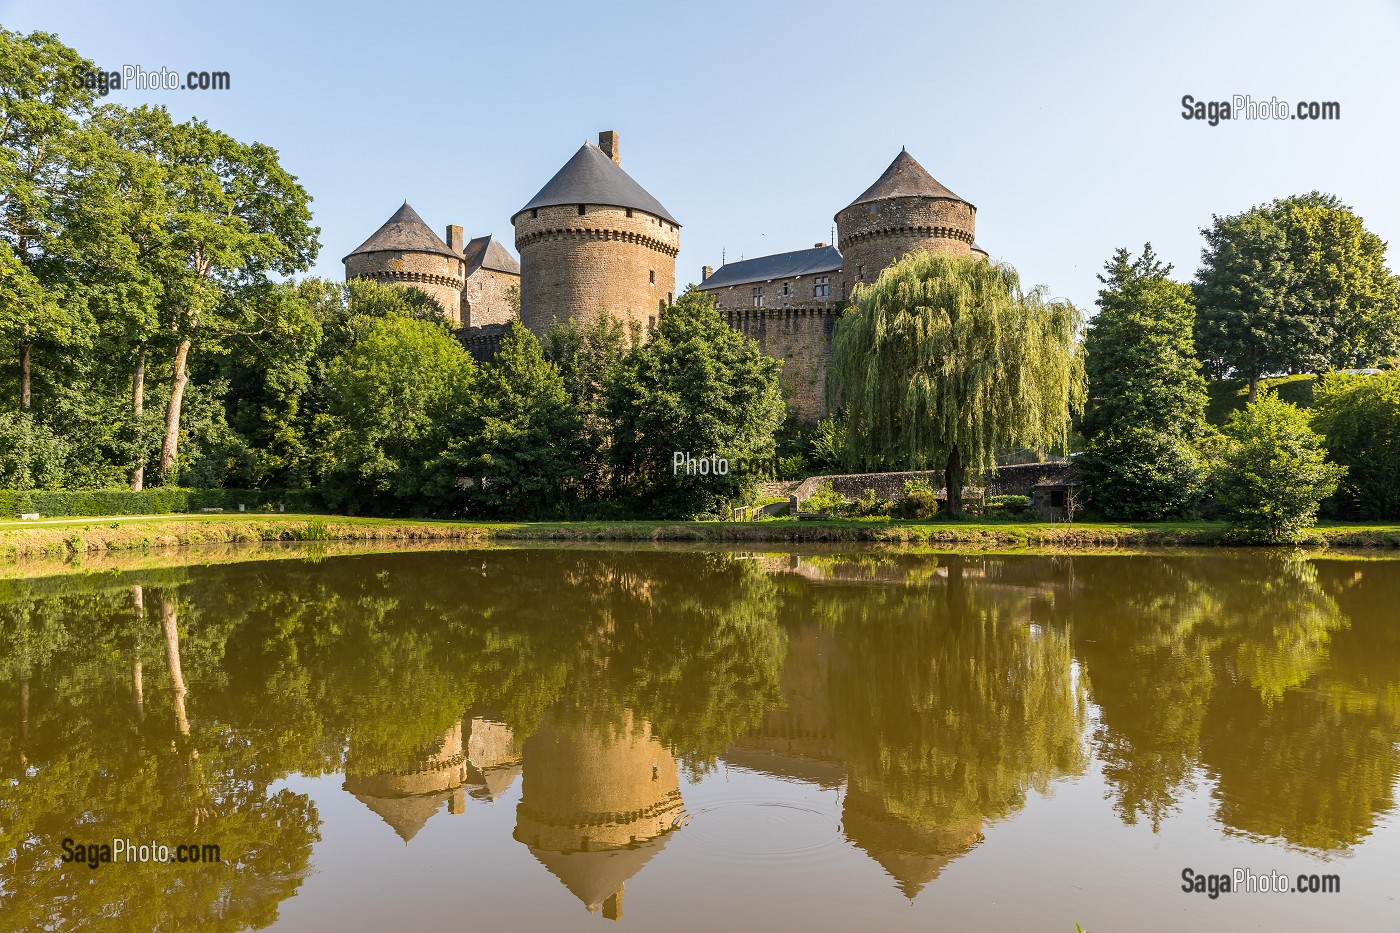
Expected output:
(1058, 493)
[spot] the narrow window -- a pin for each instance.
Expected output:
(651, 322)
(534, 212)
(580, 209)
(786, 290)
(629, 212)
(860, 273)
(758, 296)
(821, 287)
(653, 276)
(660, 307)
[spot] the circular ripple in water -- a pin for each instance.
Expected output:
(763, 830)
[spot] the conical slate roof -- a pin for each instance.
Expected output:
(486, 252)
(405, 232)
(905, 178)
(593, 877)
(591, 177)
(405, 815)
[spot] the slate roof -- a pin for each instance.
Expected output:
(978, 249)
(905, 178)
(486, 252)
(591, 177)
(404, 232)
(778, 266)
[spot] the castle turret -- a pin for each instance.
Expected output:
(594, 241)
(905, 210)
(405, 251)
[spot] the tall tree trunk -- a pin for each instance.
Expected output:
(953, 482)
(1253, 388)
(138, 408)
(23, 721)
(168, 620)
(25, 348)
(138, 693)
(170, 445)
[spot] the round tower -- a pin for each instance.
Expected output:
(594, 241)
(905, 210)
(405, 251)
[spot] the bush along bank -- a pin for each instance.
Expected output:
(159, 500)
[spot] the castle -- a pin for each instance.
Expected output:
(594, 241)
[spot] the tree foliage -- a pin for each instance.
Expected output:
(1360, 418)
(1275, 471)
(945, 361)
(699, 387)
(1147, 399)
(1298, 285)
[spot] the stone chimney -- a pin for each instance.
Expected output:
(819, 246)
(609, 143)
(706, 272)
(455, 239)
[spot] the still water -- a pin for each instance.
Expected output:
(551, 739)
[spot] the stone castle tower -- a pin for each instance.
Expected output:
(472, 282)
(905, 210)
(593, 240)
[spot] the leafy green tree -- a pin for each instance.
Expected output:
(944, 361)
(1360, 417)
(391, 397)
(1275, 470)
(41, 111)
(1298, 285)
(1147, 398)
(235, 218)
(31, 455)
(590, 356)
(518, 443)
(700, 387)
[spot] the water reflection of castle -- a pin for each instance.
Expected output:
(597, 800)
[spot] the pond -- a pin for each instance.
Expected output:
(699, 739)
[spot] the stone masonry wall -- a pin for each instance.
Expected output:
(874, 235)
(602, 261)
(440, 277)
(801, 338)
(486, 298)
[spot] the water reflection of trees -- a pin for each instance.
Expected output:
(1270, 674)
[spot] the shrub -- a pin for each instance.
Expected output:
(1139, 473)
(1274, 473)
(824, 499)
(1360, 417)
(1008, 505)
(159, 500)
(920, 499)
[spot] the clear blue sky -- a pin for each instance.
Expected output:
(755, 122)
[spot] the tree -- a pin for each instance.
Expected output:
(590, 356)
(391, 397)
(235, 217)
(944, 361)
(1147, 398)
(518, 442)
(1274, 471)
(1298, 285)
(699, 388)
(40, 114)
(1360, 418)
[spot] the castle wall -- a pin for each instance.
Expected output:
(440, 277)
(874, 235)
(486, 298)
(581, 265)
(801, 338)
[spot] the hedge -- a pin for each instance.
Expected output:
(161, 500)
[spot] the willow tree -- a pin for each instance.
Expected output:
(944, 361)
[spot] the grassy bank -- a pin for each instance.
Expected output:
(58, 538)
